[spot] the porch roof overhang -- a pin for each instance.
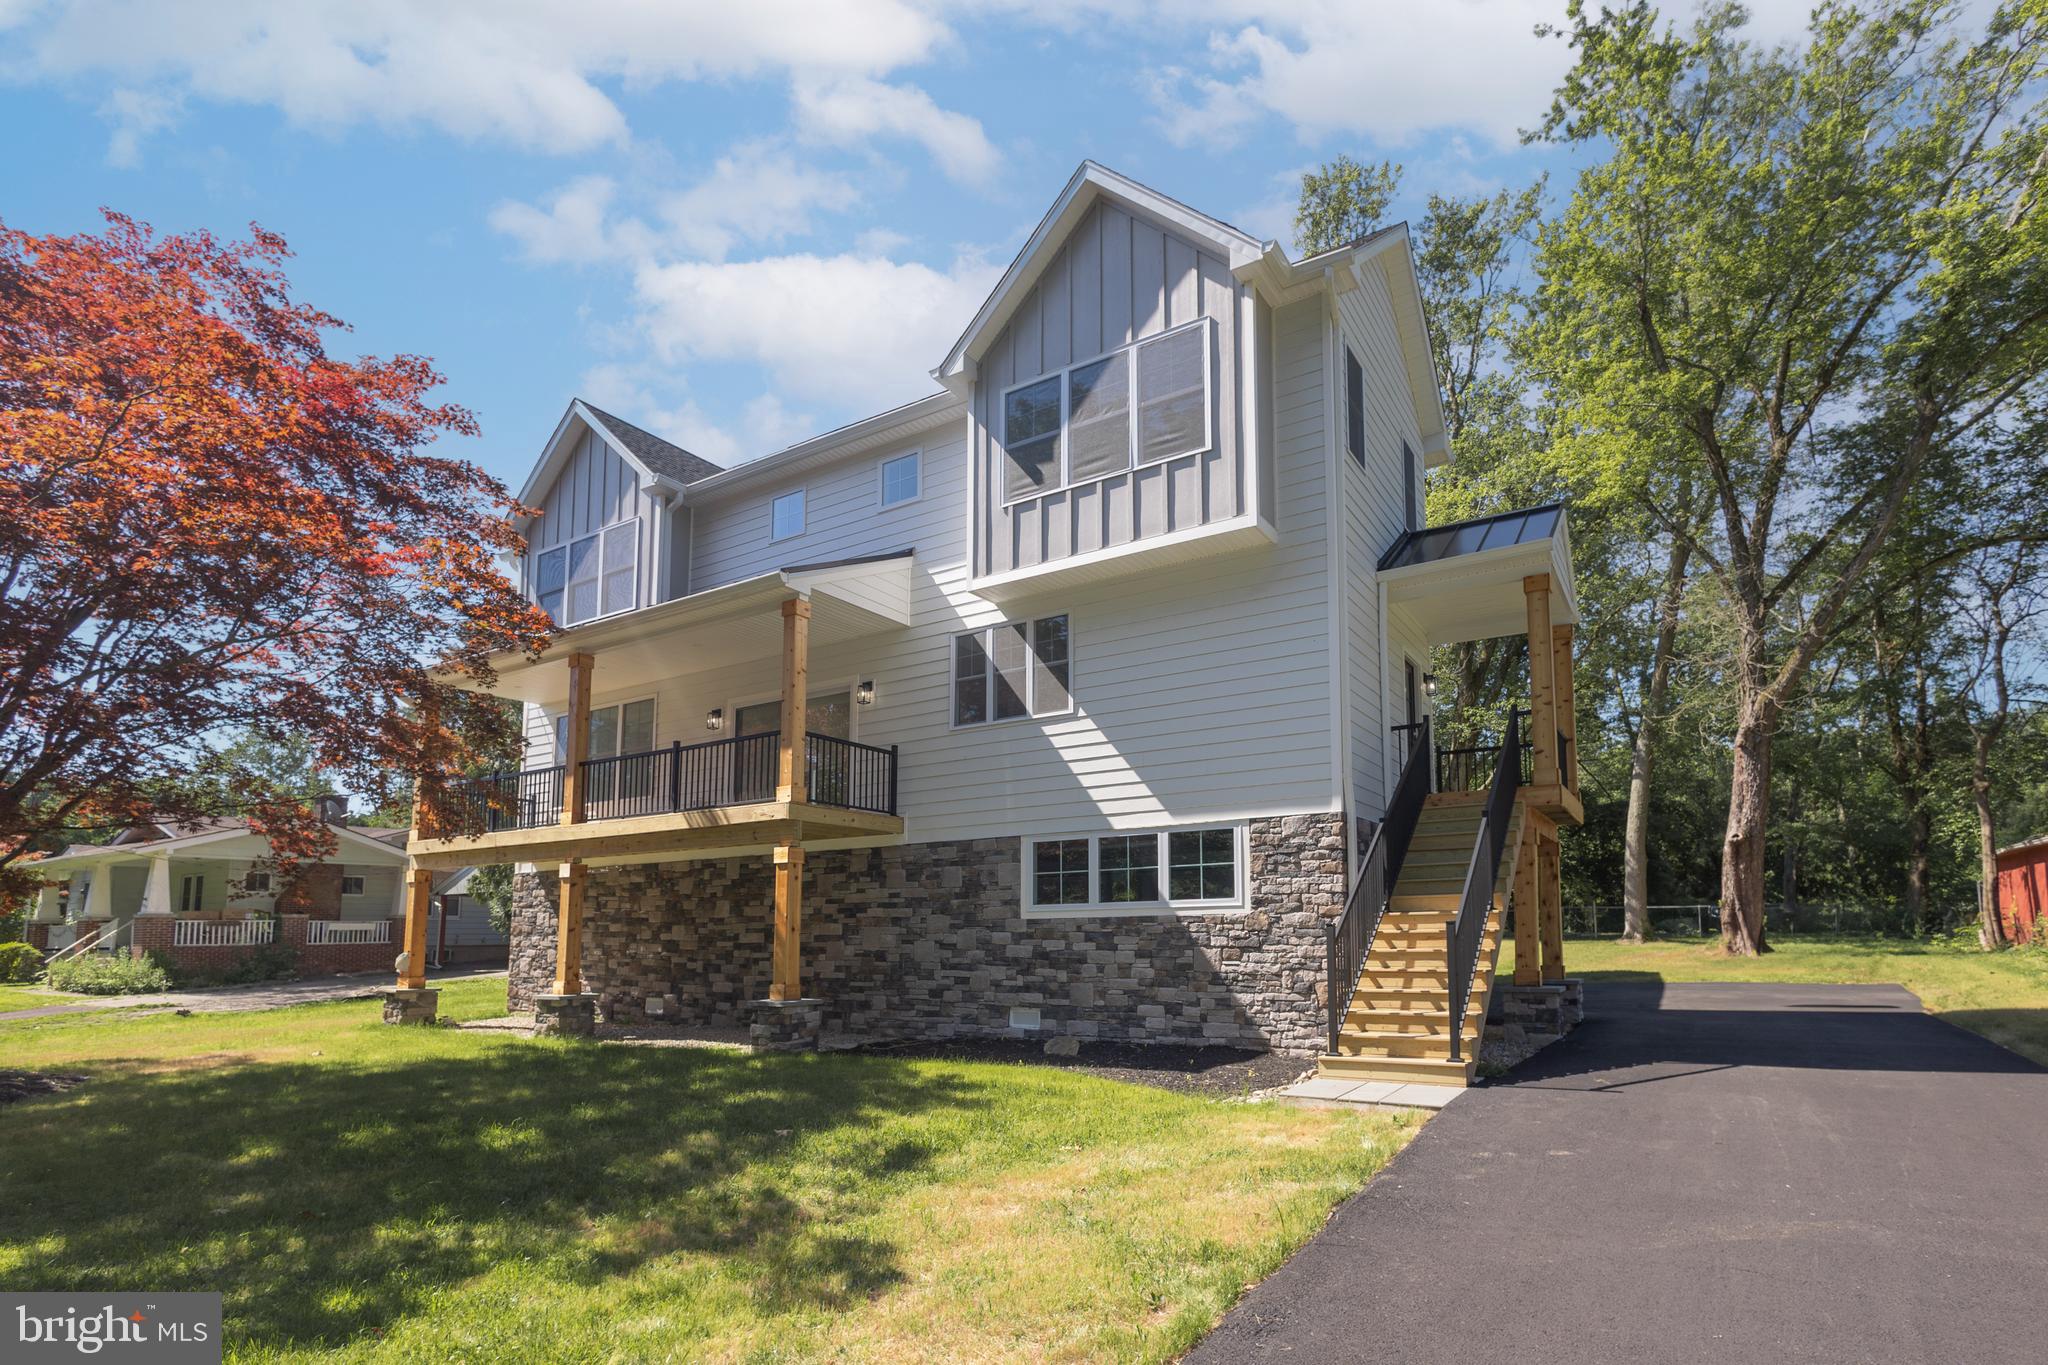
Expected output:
(350, 847)
(735, 623)
(1464, 581)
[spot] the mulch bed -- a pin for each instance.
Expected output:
(19, 1085)
(1191, 1070)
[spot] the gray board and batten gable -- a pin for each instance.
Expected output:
(597, 485)
(1119, 277)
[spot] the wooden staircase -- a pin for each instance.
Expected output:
(1398, 1025)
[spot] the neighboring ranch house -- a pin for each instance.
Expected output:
(1075, 699)
(208, 892)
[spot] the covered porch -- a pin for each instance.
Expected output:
(612, 704)
(1507, 575)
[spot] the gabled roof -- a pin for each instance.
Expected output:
(661, 464)
(355, 840)
(1088, 184)
(663, 457)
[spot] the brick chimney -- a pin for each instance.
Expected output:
(332, 809)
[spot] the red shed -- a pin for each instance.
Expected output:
(2023, 889)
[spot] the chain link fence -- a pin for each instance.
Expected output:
(1703, 920)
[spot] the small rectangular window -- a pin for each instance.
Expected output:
(1059, 872)
(1173, 394)
(970, 679)
(1031, 439)
(1201, 864)
(1130, 868)
(1099, 418)
(256, 884)
(902, 480)
(550, 577)
(786, 515)
(1354, 406)
(1412, 509)
(351, 886)
(1012, 670)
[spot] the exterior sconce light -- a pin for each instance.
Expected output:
(864, 692)
(1429, 685)
(714, 719)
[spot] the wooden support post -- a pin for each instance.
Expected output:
(569, 929)
(577, 748)
(791, 774)
(419, 895)
(1542, 679)
(787, 982)
(1567, 704)
(1528, 908)
(1551, 889)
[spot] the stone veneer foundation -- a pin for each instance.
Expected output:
(928, 941)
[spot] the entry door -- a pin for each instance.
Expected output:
(826, 713)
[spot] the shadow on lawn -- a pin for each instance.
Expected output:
(328, 1202)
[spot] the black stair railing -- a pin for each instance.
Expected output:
(1463, 934)
(1348, 938)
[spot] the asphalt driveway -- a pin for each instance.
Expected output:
(1700, 1173)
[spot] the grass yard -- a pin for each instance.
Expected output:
(365, 1192)
(2003, 996)
(33, 997)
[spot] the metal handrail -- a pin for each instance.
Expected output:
(1348, 938)
(852, 776)
(1475, 904)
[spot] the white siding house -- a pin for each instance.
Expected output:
(1053, 701)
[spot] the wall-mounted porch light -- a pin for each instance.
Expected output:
(864, 692)
(1429, 685)
(714, 719)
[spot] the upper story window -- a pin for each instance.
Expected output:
(1354, 406)
(1412, 502)
(1012, 670)
(1145, 402)
(786, 515)
(592, 576)
(902, 479)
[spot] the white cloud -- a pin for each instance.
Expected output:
(863, 331)
(136, 114)
(850, 110)
(525, 71)
(755, 193)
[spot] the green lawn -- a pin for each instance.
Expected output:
(2003, 996)
(365, 1192)
(32, 997)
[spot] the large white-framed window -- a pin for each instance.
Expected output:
(591, 576)
(902, 478)
(625, 727)
(1013, 670)
(1196, 868)
(786, 515)
(1136, 405)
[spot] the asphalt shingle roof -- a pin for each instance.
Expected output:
(663, 457)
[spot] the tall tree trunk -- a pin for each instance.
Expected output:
(1920, 909)
(1990, 928)
(1749, 814)
(1635, 888)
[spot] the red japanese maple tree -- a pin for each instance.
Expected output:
(209, 526)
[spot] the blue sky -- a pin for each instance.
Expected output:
(737, 224)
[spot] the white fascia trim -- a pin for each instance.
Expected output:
(555, 451)
(1123, 551)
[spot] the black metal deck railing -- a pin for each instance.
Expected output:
(1348, 938)
(1462, 935)
(722, 772)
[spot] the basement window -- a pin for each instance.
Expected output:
(1145, 871)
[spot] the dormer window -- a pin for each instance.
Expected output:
(1081, 424)
(592, 576)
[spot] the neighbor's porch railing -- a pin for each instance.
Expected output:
(223, 933)
(324, 931)
(721, 772)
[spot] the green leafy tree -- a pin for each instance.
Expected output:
(1797, 272)
(1342, 201)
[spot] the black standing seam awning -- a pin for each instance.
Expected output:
(1433, 543)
